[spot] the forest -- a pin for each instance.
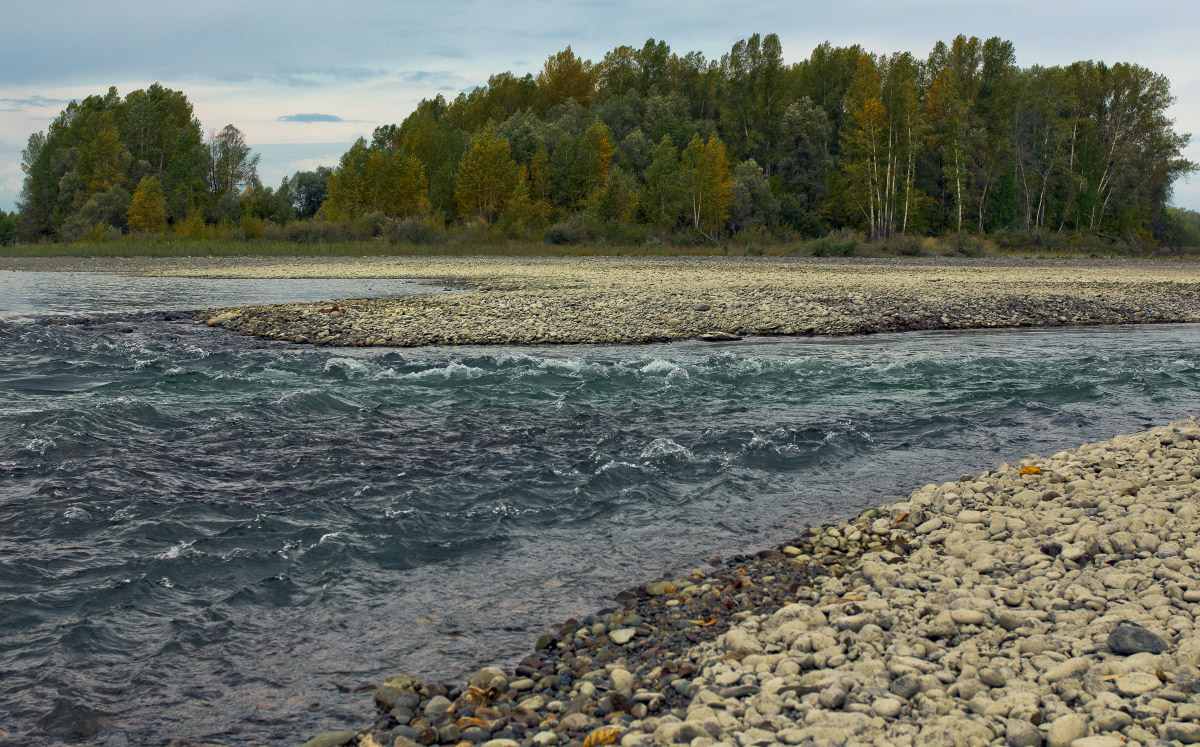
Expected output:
(647, 146)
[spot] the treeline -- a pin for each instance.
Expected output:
(649, 145)
(140, 163)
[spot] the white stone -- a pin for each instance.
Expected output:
(621, 636)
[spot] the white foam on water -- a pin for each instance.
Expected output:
(359, 368)
(571, 366)
(40, 445)
(614, 463)
(758, 442)
(177, 551)
(665, 447)
(660, 366)
(451, 371)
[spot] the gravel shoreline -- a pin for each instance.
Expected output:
(1047, 602)
(644, 301)
(634, 301)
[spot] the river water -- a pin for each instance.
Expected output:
(213, 537)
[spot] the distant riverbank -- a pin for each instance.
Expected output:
(607, 300)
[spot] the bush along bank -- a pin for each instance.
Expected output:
(1051, 602)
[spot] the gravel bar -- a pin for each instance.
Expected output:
(628, 301)
(1052, 602)
(612, 301)
(643, 300)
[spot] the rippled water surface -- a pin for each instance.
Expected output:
(213, 537)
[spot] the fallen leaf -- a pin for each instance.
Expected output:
(601, 736)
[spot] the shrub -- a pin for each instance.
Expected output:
(576, 229)
(906, 245)
(252, 228)
(845, 243)
(192, 227)
(425, 230)
(970, 245)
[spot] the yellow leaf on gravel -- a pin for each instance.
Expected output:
(601, 736)
(1030, 471)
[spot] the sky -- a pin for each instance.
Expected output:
(304, 79)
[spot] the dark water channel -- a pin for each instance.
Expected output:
(212, 537)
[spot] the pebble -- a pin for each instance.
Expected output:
(621, 636)
(1065, 730)
(1129, 638)
(1021, 733)
(1137, 683)
(331, 739)
(621, 679)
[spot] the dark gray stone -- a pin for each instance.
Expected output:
(905, 686)
(1128, 638)
(402, 715)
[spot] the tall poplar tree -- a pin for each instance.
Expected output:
(487, 177)
(707, 185)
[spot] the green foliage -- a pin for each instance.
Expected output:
(754, 206)
(375, 179)
(232, 167)
(486, 178)
(424, 230)
(108, 209)
(8, 228)
(1181, 228)
(99, 148)
(148, 207)
(706, 184)
(843, 244)
(650, 142)
(615, 199)
(305, 191)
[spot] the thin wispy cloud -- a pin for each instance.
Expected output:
(31, 102)
(316, 77)
(311, 118)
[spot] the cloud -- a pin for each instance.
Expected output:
(429, 80)
(311, 118)
(451, 53)
(416, 77)
(319, 76)
(31, 102)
